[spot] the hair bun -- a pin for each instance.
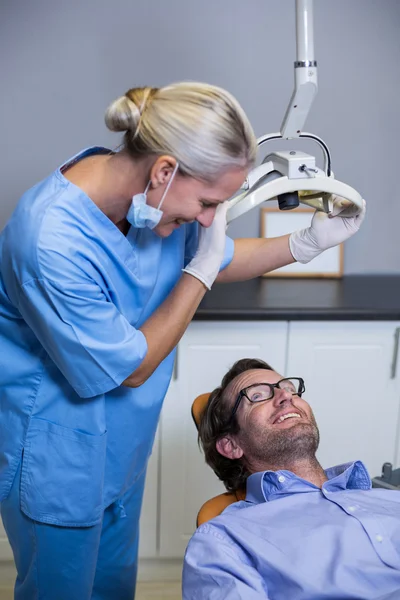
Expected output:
(124, 113)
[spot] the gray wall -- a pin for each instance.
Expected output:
(62, 62)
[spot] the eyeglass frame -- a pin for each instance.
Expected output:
(272, 386)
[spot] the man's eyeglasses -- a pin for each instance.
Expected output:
(260, 392)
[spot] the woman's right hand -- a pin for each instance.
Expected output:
(206, 263)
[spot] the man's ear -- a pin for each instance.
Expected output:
(162, 170)
(229, 448)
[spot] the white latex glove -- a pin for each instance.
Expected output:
(206, 263)
(326, 230)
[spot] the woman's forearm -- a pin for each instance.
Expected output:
(255, 256)
(167, 324)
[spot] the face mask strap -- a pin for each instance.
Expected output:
(147, 188)
(168, 185)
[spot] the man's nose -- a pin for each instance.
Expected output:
(281, 396)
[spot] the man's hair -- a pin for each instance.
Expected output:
(216, 423)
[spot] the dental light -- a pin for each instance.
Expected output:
(292, 177)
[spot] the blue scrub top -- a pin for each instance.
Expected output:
(74, 292)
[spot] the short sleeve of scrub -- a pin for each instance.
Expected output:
(192, 241)
(90, 341)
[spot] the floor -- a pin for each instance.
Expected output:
(169, 590)
(146, 590)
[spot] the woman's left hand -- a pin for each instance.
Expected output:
(327, 230)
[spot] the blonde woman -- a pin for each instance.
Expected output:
(104, 264)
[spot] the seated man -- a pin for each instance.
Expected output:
(303, 533)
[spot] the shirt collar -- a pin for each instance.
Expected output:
(265, 486)
(83, 154)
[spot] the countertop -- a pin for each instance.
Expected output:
(354, 297)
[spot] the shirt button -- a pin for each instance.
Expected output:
(379, 538)
(351, 508)
(281, 478)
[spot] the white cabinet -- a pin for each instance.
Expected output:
(352, 386)
(206, 352)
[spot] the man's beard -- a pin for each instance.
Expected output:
(281, 447)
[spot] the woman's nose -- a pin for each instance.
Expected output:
(206, 217)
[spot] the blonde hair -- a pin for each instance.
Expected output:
(202, 126)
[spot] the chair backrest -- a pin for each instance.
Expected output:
(214, 507)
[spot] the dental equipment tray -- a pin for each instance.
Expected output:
(390, 479)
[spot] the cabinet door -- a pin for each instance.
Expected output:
(205, 353)
(148, 517)
(352, 386)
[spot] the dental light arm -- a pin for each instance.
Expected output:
(305, 73)
(292, 177)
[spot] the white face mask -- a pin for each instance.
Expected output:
(140, 214)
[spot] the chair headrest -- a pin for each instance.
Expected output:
(216, 505)
(198, 407)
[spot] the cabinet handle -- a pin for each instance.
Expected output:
(395, 353)
(175, 373)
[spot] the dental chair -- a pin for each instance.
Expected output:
(214, 507)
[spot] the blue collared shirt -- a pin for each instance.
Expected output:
(290, 540)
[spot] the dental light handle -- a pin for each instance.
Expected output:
(305, 73)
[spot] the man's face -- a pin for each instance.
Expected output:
(265, 440)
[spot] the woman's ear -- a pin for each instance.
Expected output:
(229, 448)
(162, 170)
